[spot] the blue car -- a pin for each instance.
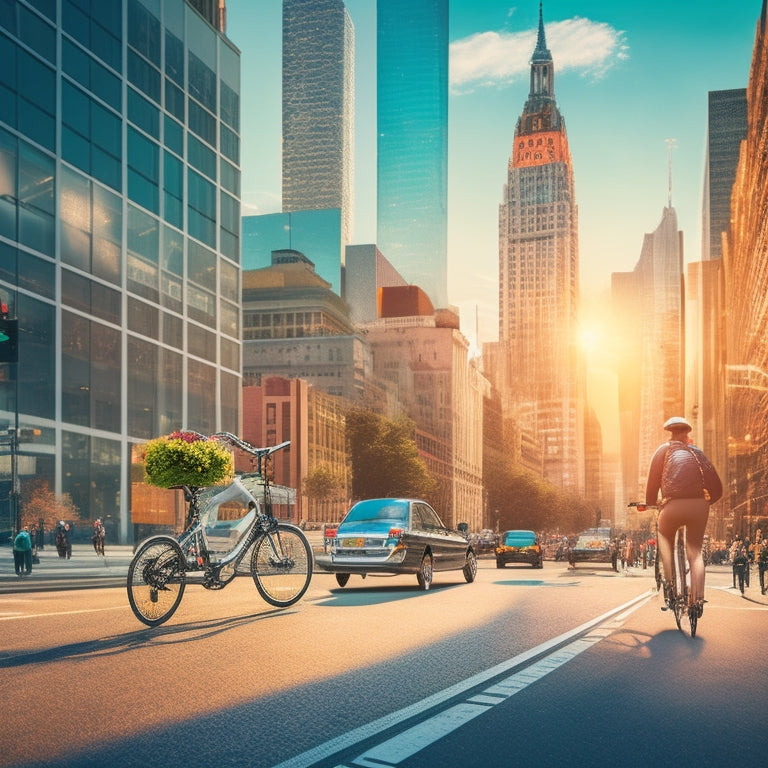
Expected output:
(395, 536)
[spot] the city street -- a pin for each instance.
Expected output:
(551, 667)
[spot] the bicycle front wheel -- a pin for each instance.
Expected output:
(156, 580)
(281, 565)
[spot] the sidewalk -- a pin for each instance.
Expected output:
(84, 569)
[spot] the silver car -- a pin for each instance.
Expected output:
(394, 536)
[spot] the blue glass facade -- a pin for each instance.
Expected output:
(119, 236)
(412, 165)
(317, 234)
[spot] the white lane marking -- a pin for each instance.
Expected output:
(406, 744)
(62, 613)
(369, 730)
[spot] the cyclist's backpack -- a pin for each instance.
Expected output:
(688, 474)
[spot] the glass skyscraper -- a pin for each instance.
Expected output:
(412, 159)
(119, 236)
(318, 108)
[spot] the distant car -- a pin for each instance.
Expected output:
(395, 536)
(519, 547)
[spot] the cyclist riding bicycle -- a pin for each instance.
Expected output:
(689, 484)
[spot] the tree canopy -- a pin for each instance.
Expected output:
(385, 459)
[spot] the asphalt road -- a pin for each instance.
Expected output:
(551, 666)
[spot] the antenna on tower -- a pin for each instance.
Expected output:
(671, 144)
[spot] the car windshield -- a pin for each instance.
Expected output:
(519, 538)
(376, 509)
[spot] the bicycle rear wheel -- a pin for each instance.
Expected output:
(683, 615)
(156, 580)
(281, 565)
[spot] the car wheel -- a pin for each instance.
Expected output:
(342, 579)
(424, 576)
(470, 567)
(500, 563)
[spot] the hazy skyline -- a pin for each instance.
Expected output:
(626, 79)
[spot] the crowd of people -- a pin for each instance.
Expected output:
(31, 538)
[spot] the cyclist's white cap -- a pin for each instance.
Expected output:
(677, 424)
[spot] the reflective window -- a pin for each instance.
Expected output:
(201, 265)
(142, 388)
(201, 157)
(174, 100)
(172, 330)
(37, 359)
(144, 31)
(143, 171)
(36, 199)
(230, 107)
(169, 391)
(143, 113)
(230, 401)
(230, 145)
(143, 319)
(201, 343)
(173, 136)
(174, 58)
(201, 405)
(202, 123)
(144, 76)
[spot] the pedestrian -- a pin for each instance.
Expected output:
(615, 555)
(688, 484)
(571, 558)
(22, 552)
(99, 534)
(741, 566)
(63, 545)
(762, 563)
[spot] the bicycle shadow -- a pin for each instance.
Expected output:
(148, 636)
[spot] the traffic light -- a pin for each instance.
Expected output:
(9, 351)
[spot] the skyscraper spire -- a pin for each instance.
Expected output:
(542, 52)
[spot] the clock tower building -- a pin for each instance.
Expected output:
(538, 367)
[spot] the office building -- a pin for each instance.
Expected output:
(318, 108)
(650, 362)
(412, 148)
(119, 236)
(538, 368)
(726, 129)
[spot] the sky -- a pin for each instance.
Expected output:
(629, 77)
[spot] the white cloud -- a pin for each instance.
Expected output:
(496, 59)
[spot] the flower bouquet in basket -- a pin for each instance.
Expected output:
(186, 458)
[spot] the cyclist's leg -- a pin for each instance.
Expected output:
(698, 513)
(671, 518)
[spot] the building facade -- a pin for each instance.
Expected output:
(412, 144)
(538, 369)
(746, 269)
(119, 235)
(651, 361)
(318, 108)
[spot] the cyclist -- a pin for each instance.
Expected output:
(688, 485)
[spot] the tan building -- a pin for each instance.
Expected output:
(425, 356)
(745, 258)
(290, 409)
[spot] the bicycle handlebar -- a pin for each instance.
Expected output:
(247, 447)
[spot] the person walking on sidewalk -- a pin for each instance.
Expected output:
(99, 534)
(22, 552)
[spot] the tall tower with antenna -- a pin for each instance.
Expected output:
(538, 281)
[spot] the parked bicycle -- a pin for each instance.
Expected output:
(280, 555)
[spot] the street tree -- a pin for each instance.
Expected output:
(384, 457)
